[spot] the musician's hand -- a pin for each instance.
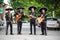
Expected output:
(30, 15)
(16, 15)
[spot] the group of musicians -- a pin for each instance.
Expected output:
(32, 17)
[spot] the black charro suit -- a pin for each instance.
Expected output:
(9, 20)
(19, 22)
(43, 24)
(32, 23)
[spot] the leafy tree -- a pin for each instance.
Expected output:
(1, 2)
(52, 5)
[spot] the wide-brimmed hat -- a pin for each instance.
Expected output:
(20, 8)
(32, 7)
(42, 9)
(9, 9)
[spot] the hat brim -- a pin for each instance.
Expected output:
(20, 8)
(43, 9)
(32, 7)
(9, 9)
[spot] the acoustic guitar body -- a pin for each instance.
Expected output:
(18, 17)
(40, 19)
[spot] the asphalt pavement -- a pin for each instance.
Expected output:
(51, 34)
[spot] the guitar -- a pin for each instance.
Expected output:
(40, 19)
(19, 16)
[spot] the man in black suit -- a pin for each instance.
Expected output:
(32, 19)
(8, 17)
(19, 22)
(43, 23)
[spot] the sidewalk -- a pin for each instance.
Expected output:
(52, 34)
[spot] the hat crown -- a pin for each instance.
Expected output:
(32, 7)
(43, 9)
(20, 7)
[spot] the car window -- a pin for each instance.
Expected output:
(51, 19)
(54, 19)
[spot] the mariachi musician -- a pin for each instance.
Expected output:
(32, 16)
(19, 16)
(9, 20)
(43, 16)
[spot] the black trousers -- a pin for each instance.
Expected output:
(19, 27)
(43, 28)
(32, 24)
(9, 23)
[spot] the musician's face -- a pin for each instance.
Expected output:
(9, 11)
(32, 9)
(43, 11)
(20, 10)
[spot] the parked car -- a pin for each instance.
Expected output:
(52, 23)
(59, 21)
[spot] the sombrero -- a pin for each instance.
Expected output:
(42, 9)
(9, 9)
(32, 7)
(20, 8)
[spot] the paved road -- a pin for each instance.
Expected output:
(52, 34)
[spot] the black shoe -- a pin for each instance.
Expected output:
(45, 34)
(6, 34)
(41, 34)
(30, 33)
(12, 34)
(19, 33)
(34, 34)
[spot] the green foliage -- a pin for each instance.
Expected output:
(1, 2)
(52, 5)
